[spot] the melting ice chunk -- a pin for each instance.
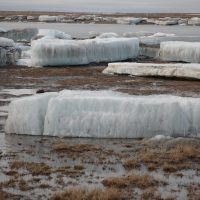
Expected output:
(54, 52)
(179, 70)
(180, 51)
(104, 114)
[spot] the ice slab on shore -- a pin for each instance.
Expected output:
(48, 18)
(26, 115)
(180, 70)
(128, 20)
(54, 52)
(180, 51)
(104, 114)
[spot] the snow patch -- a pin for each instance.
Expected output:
(160, 137)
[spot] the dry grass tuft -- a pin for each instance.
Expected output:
(131, 164)
(16, 164)
(23, 185)
(170, 160)
(150, 194)
(142, 182)
(85, 194)
(5, 196)
(193, 192)
(10, 173)
(34, 168)
(71, 172)
(78, 167)
(76, 148)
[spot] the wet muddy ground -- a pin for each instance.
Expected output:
(91, 78)
(67, 168)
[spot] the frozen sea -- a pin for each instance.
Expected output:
(82, 30)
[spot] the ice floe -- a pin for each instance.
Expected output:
(179, 70)
(104, 114)
(47, 18)
(128, 20)
(25, 34)
(194, 21)
(54, 33)
(54, 52)
(18, 92)
(160, 137)
(180, 51)
(159, 34)
(108, 35)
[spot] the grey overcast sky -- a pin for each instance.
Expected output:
(103, 5)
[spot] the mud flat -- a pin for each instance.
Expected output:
(55, 168)
(51, 167)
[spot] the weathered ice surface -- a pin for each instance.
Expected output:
(26, 115)
(179, 70)
(5, 42)
(194, 21)
(150, 52)
(128, 20)
(20, 34)
(180, 51)
(9, 53)
(104, 114)
(167, 22)
(54, 52)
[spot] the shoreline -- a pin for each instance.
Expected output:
(117, 14)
